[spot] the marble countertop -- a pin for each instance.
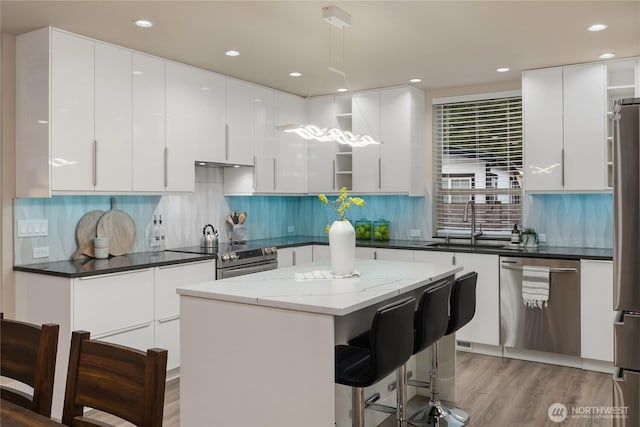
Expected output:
(91, 267)
(378, 281)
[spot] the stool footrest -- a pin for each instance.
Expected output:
(370, 404)
(418, 383)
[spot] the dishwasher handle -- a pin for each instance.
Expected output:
(511, 266)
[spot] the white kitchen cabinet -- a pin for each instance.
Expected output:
(86, 123)
(366, 160)
(321, 160)
(137, 308)
(187, 106)
(148, 123)
(484, 328)
(596, 309)
(395, 117)
(167, 302)
(73, 134)
(242, 98)
(564, 122)
(323, 253)
(384, 254)
(290, 158)
(280, 157)
(297, 255)
(112, 302)
(113, 118)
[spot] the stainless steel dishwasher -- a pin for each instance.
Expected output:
(554, 328)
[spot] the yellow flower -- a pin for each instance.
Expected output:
(341, 204)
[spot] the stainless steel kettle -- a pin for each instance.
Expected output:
(209, 239)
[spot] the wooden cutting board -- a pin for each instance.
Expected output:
(119, 227)
(85, 233)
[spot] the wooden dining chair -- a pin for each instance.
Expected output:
(115, 379)
(28, 355)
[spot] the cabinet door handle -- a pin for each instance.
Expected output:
(169, 319)
(95, 162)
(275, 173)
(120, 273)
(562, 171)
(226, 142)
(293, 253)
(168, 267)
(379, 173)
(375, 255)
(334, 174)
(255, 173)
(123, 330)
(166, 166)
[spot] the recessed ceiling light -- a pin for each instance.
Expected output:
(415, 80)
(597, 27)
(137, 72)
(232, 53)
(143, 23)
(341, 90)
(202, 164)
(503, 69)
(236, 166)
(607, 55)
(295, 74)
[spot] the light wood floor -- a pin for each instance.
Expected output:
(495, 391)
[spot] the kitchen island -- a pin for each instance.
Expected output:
(258, 350)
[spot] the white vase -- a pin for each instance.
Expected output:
(342, 245)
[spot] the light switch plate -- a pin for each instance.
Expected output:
(291, 229)
(414, 233)
(542, 238)
(33, 228)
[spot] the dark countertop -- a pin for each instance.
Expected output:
(91, 267)
(541, 251)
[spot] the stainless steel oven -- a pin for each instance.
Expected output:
(238, 259)
(238, 263)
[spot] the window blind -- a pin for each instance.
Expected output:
(478, 156)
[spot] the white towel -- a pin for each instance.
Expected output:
(535, 286)
(322, 274)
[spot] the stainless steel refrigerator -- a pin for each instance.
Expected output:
(626, 262)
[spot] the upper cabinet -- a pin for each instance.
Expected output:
(321, 161)
(564, 128)
(90, 119)
(395, 117)
(243, 99)
(279, 165)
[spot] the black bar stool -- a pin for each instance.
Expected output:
(390, 343)
(462, 308)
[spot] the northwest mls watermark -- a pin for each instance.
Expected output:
(558, 412)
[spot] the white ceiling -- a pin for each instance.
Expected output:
(446, 43)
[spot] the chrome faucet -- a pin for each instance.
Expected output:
(465, 218)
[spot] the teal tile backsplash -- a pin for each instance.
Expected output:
(575, 220)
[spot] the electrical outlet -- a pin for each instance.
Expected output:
(41, 252)
(414, 233)
(542, 238)
(291, 229)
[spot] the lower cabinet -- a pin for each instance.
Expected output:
(484, 328)
(288, 257)
(322, 253)
(138, 309)
(596, 310)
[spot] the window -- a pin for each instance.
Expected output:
(478, 156)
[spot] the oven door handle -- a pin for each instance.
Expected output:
(240, 271)
(551, 270)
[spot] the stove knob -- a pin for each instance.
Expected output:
(267, 251)
(274, 250)
(233, 256)
(224, 257)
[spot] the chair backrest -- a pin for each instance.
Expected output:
(432, 315)
(391, 339)
(463, 301)
(119, 380)
(28, 355)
